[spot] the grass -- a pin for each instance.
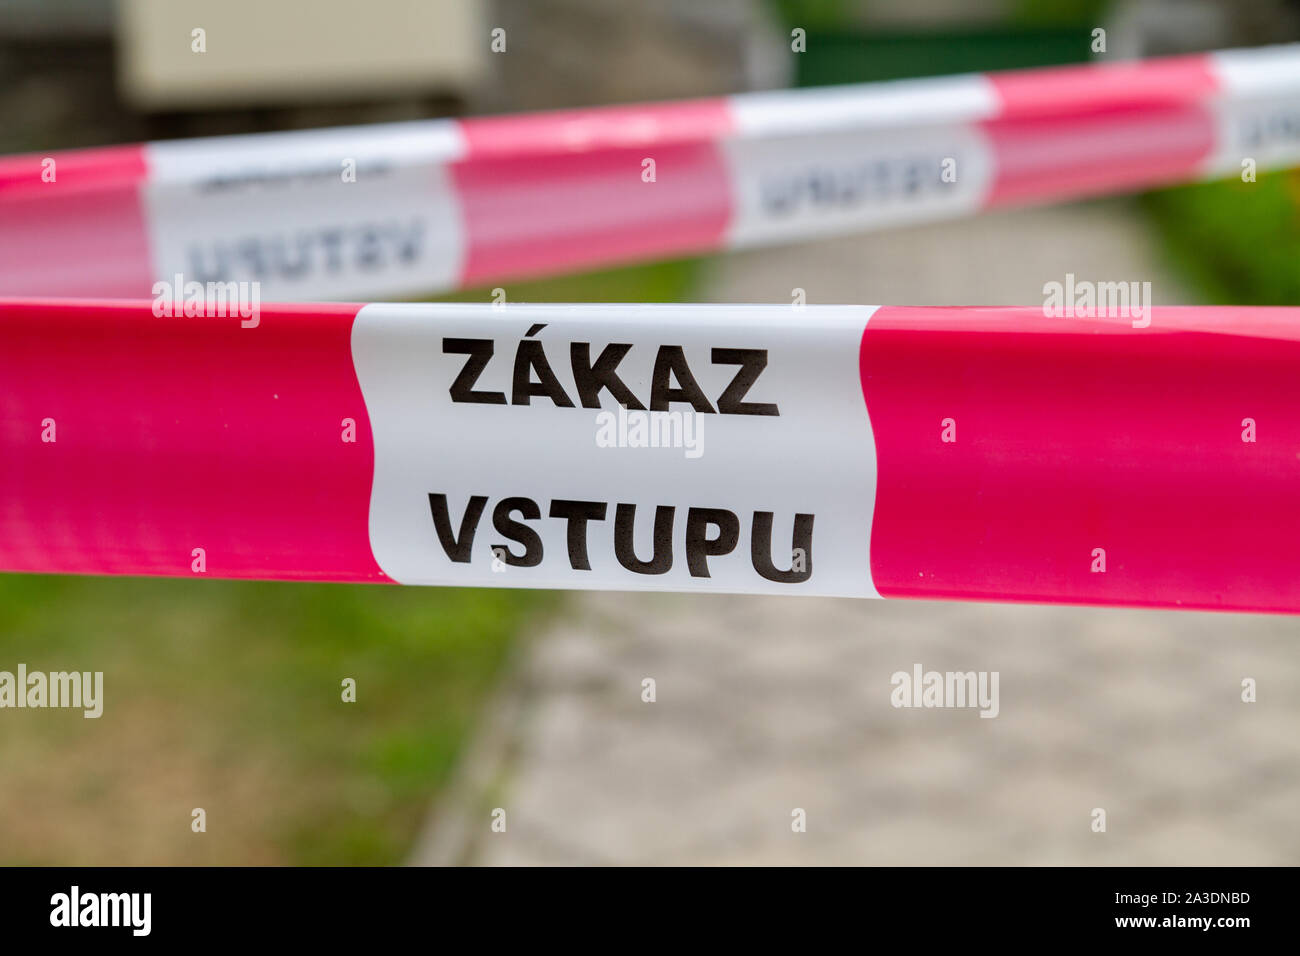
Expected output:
(227, 696)
(654, 282)
(1237, 243)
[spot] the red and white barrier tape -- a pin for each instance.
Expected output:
(445, 204)
(970, 453)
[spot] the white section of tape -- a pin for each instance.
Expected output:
(801, 187)
(303, 154)
(815, 457)
(1265, 129)
(1266, 71)
(1256, 111)
(865, 106)
(396, 229)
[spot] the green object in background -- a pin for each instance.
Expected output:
(656, 282)
(844, 46)
(841, 57)
(1235, 242)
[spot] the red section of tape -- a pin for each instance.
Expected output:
(561, 132)
(1097, 154)
(83, 233)
(1102, 87)
(86, 242)
(568, 190)
(1080, 434)
(108, 166)
(173, 434)
(538, 215)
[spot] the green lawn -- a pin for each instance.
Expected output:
(227, 696)
(1239, 243)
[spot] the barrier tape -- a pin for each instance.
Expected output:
(445, 204)
(968, 453)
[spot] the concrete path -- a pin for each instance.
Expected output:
(765, 705)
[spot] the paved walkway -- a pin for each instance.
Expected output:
(768, 704)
